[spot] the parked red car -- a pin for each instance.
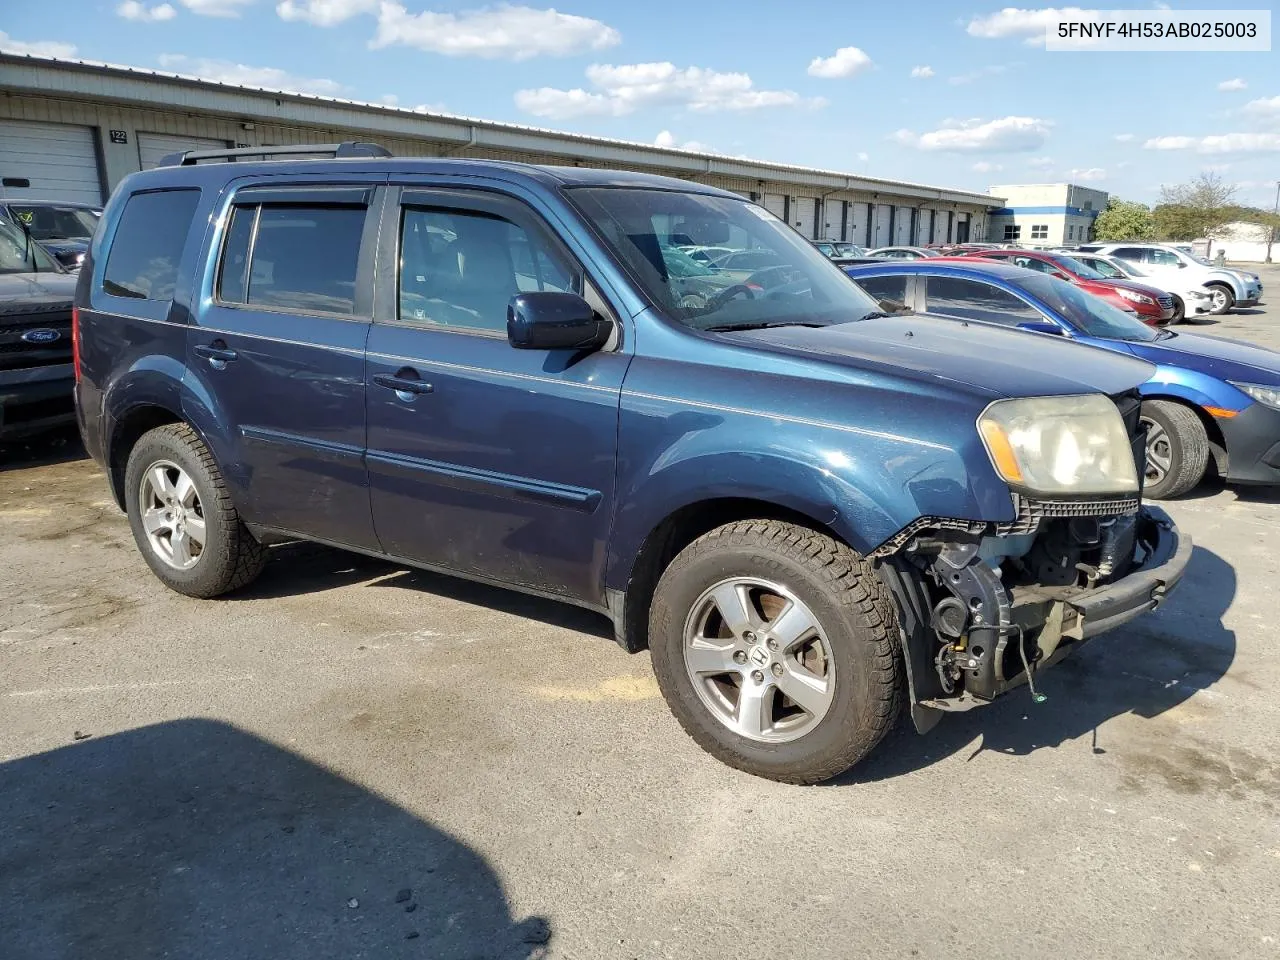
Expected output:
(1153, 307)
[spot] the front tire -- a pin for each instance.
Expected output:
(1177, 449)
(182, 517)
(776, 649)
(1179, 311)
(1223, 298)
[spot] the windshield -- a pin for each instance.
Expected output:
(849, 250)
(18, 254)
(56, 223)
(1087, 313)
(774, 276)
(1078, 267)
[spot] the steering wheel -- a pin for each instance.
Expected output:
(728, 293)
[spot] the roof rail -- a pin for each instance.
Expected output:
(348, 148)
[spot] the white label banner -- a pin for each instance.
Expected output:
(1169, 31)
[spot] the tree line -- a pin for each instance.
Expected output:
(1186, 211)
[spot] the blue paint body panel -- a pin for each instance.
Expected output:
(544, 469)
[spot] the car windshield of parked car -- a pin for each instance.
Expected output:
(775, 277)
(680, 264)
(56, 223)
(20, 254)
(1087, 313)
(849, 250)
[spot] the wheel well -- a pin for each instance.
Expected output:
(1217, 442)
(675, 533)
(126, 434)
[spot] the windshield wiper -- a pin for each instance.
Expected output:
(876, 315)
(762, 325)
(1165, 334)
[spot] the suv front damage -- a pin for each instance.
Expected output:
(984, 606)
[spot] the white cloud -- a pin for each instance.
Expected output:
(984, 166)
(1087, 175)
(922, 73)
(863, 157)
(1124, 138)
(845, 62)
(39, 48)
(133, 10)
(216, 8)
(493, 33)
(988, 71)
(667, 140)
(324, 13)
(389, 99)
(1005, 135)
(1027, 25)
(225, 71)
(1124, 164)
(1234, 84)
(1219, 143)
(1265, 111)
(619, 90)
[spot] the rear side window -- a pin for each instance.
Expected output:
(292, 257)
(148, 244)
(973, 300)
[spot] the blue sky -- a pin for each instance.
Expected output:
(950, 93)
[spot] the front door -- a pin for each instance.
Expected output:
(276, 358)
(484, 459)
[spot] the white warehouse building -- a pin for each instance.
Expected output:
(72, 129)
(1045, 214)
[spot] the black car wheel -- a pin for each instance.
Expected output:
(1177, 449)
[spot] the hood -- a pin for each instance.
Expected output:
(988, 360)
(1136, 286)
(1225, 359)
(25, 292)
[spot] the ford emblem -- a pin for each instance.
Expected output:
(41, 335)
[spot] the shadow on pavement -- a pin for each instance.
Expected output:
(59, 446)
(300, 568)
(197, 840)
(1145, 668)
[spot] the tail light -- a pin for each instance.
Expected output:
(75, 341)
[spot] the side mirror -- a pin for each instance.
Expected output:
(555, 321)
(1181, 265)
(1041, 326)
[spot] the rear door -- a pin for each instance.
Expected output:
(276, 357)
(483, 459)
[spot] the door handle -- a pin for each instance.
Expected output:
(216, 353)
(402, 384)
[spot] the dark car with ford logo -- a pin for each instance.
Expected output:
(63, 228)
(36, 373)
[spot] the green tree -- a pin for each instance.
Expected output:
(1124, 220)
(1188, 211)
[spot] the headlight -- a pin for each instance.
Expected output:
(1060, 445)
(1267, 396)
(1134, 296)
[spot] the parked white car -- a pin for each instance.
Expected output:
(1228, 288)
(1189, 301)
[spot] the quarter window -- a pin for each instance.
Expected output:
(293, 257)
(148, 245)
(461, 269)
(974, 300)
(892, 289)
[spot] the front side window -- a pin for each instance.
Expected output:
(148, 244)
(776, 276)
(1103, 269)
(1136, 254)
(889, 290)
(1163, 258)
(975, 300)
(461, 268)
(293, 257)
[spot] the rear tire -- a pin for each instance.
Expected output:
(182, 517)
(712, 666)
(1177, 449)
(1223, 298)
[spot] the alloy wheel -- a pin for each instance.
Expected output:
(759, 660)
(172, 515)
(1159, 452)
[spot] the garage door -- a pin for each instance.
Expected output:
(804, 216)
(776, 204)
(154, 147)
(880, 229)
(58, 161)
(902, 226)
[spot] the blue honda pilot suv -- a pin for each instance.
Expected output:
(805, 510)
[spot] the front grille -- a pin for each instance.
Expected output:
(18, 354)
(1166, 302)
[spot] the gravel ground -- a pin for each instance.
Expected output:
(352, 759)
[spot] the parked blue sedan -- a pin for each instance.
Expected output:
(1210, 397)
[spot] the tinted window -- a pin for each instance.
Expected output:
(1031, 263)
(148, 244)
(462, 269)
(1129, 253)
(893, 288)
(1162, 258)
(303, 257)
(975, 300)
(1086, 312)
